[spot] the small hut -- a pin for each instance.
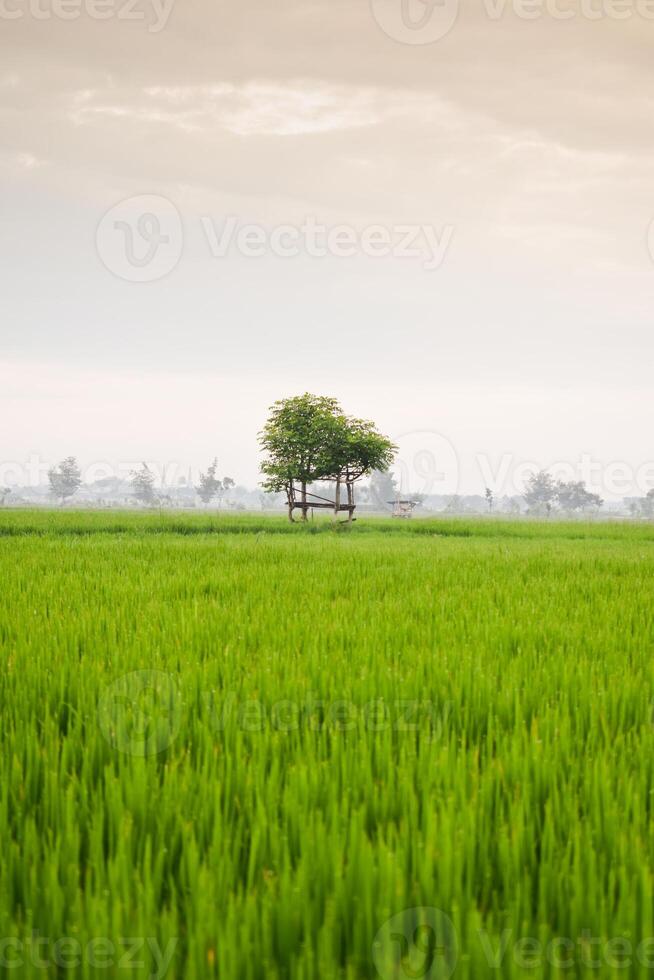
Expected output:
(403, 508)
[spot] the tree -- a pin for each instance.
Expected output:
(455, 505)
(209, 486)
(4, 493)
(212, 486)
(540, 492)
(510, 505)
(65, 479)
(383, 488)
(489, 499)
(143, 485)
(226, 484)
(574, 496)
(644, 507)
(297, 438)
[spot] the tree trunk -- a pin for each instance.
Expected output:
(289, 498)
(337, 498)
(350, 502)
(304, 500)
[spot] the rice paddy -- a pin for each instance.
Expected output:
(237, 748)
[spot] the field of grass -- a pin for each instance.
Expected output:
(235, 748)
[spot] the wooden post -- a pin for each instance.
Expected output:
(337, 498)
(350, 502)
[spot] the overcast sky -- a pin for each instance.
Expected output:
(514, 154)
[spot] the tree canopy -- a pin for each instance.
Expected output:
(298, 439)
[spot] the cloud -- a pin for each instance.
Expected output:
(298, 108)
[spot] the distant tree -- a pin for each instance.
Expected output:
(540, 493)
(383, 488)
(454, 505)
(209, 485)
(574, 496)
(647, 504)
(65, 479)
(489, 499)
(643, 506)
(226, 484)
(4, 493)
(510, 505)
(143, 486)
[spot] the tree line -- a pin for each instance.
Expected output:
(543, 493)
(65, 479)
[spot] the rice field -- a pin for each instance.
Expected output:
(241, 749)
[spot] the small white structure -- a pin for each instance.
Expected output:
(403, 508)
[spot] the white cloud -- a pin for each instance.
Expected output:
(252, 109)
